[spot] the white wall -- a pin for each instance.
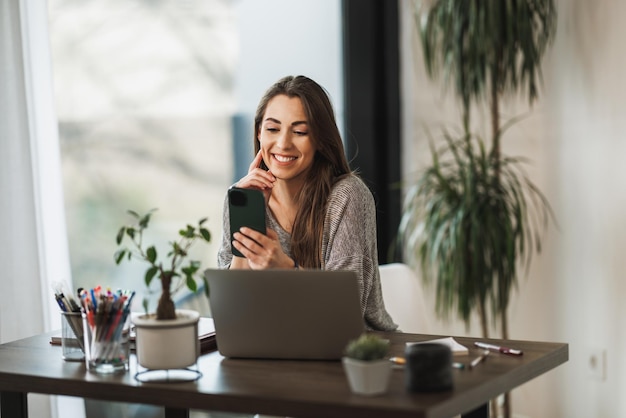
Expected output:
(587, 102)
(574, 136)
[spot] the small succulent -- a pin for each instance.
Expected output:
(368, 347)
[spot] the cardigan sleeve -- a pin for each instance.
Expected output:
(349, 243)
(224, 254)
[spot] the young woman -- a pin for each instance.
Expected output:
(320, 215)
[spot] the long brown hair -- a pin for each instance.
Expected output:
(329, 165)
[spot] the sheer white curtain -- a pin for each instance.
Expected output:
(33, 242)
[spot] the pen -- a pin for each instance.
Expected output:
(398, 360)
(401, 361)
(478, 359)
(93, 298)
(61, 303)
(457, 365)
(503, 350)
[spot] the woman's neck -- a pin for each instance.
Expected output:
(284, 203)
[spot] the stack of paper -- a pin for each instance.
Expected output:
(457, 349)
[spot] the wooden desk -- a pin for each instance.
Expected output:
(286, 388)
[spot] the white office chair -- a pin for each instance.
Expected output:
(404, 298)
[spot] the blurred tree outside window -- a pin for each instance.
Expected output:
(144, 97)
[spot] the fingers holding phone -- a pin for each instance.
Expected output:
(262, 251)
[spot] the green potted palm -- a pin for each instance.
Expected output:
(168, 338)
(473, 216)
(366, 364)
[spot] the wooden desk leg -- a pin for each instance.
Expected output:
(480, 412)
(176, 413)
(13, 405)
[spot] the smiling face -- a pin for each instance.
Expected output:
(284, 136)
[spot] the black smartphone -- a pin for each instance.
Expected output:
(247, 208)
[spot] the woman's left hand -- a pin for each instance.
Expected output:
(261, 251)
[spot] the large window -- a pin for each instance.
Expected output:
(155, 101)
(144, 97)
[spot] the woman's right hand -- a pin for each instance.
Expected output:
(257, 178)
(261, 251)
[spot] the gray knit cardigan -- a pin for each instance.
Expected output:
(348, 243)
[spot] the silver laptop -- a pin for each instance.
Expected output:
(284, 314)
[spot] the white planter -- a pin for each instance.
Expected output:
(167, 344)
(367, 377)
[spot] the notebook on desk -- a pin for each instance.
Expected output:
(284, 314)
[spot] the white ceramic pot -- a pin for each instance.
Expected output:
(367, 377)
(167, 344)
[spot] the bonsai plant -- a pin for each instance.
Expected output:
(367, 368)
(172, 272)
(168, 339)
